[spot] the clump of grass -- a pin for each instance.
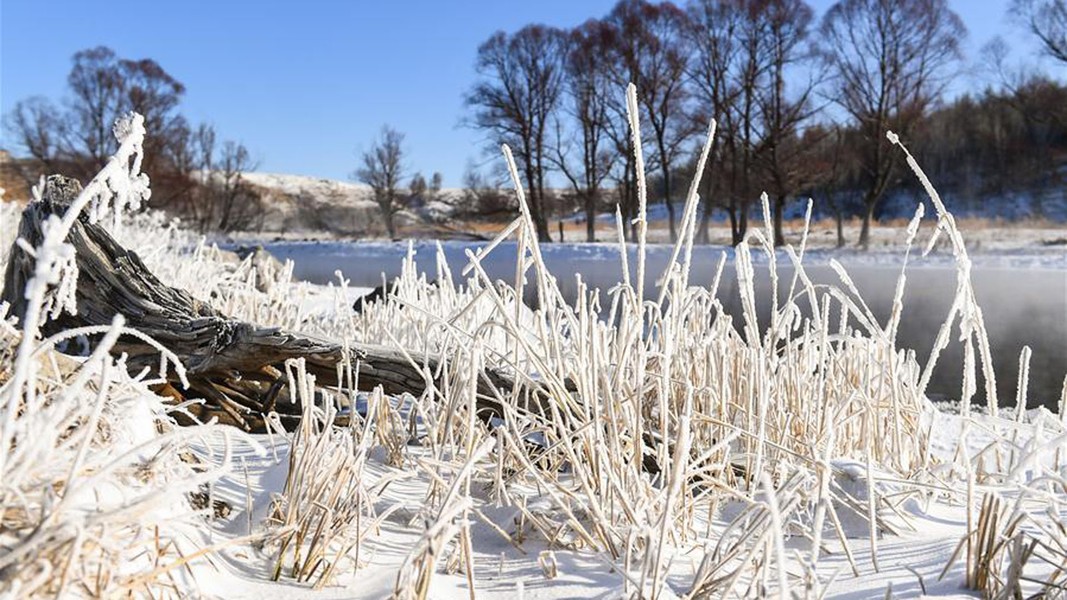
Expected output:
(1010, 549)
(641, 397)
(92, 480)
(451, 521)
(326, 508)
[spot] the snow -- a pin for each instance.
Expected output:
(504, 572)
(309, 207)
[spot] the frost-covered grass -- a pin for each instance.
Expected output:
(93, 472)
(671, 454)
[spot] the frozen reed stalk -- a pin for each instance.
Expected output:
(1063, 403)
(634, 116)
(972, 323)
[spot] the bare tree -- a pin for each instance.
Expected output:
(826, 145)
(153, 93)
(521, 80)
(1047, 19)
(102, 87)
(96, 85)
(745, 135)
(237, 203)
(382, 170)
(588, 91)
(184, 178)
(483, 196)
(208, 180)
(888, 59)
(417, 189)
(202, 146)
(783, 114)
(37, 125)
(748, 72)
(714, 37)
(730, 71)
(191, 176)
(651, 49)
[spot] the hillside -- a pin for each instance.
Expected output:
(12, 180)
(306, 205)
(313, 207)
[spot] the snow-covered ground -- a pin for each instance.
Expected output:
(910, 563)
(301, 184)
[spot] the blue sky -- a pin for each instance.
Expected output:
(306, 85)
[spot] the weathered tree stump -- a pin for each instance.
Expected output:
(236, 367)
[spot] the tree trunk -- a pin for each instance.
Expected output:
(840, 218)
(542, 204)
(865, 231)
(238, 368)
(735, 235)
(779, 208)
(667, 198)
(703, 235)
(742, 224)
(390, 226)
(590, 217)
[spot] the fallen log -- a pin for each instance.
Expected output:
(237, 368)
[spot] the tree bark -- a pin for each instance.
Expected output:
(590, 217)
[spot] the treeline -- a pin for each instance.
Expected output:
(802, 106)
(194, 175)
(1000, 140)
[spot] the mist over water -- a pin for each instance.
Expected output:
(1024, 302)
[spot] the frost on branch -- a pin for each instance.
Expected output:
(121, 186)
(60, 273)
